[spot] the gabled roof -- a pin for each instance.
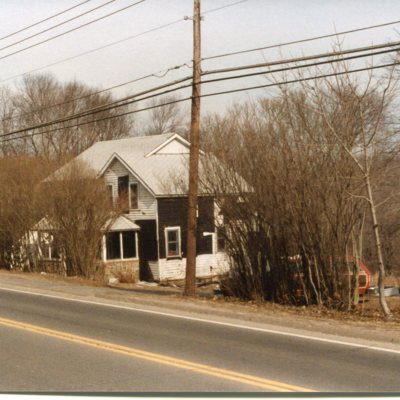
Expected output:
(43, 225)
(182, 146)
(123, 224)
(143, 156)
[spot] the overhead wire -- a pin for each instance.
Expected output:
(299, 66)
(268, 64)
(94, 50)
(285, 82)
(128, 82)
(304, 58)
(120, 102)
(133, 98)
(57, 25)
(155, 74)
(112, 105)
(223, 7)
(43, 20)
(71, 30)
(97, 120)
(298, 80)
(301, 40)
(203, 95)
(159, 27)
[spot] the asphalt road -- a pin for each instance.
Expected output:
(49, 344)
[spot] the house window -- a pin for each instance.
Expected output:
(48, 246)
(128, 239)
(221, 234)
(133, 196)
(110, 194)
(121, 245)
(123, 187)
(173, 241)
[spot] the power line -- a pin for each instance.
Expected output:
(112, 105)
(44, 20)
(324, 55)
(94, 50)
(72, 30)
(133, 98)
(203, 95)
(298, 66)
(304, 58)
(168, 24)
(223, 7)
(301, 79)
(57, 25)
(301, 40)
(155, 74)
(95, 120)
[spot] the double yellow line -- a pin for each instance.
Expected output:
(250, 380)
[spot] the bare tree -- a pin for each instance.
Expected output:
(288, 215)
(164, 119)
(40, 99)
(313, 158)
(388, 196)
(19, 176)
(6, 111)
(369, 112)
(78, 208)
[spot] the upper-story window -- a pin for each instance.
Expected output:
(128, 194)
(133, 196)
(123, 192)
(110, 194)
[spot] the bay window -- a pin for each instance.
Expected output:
(121, 245)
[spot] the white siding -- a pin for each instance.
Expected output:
(174, 147)
(207, 265)
(147, 202)
(155, 270)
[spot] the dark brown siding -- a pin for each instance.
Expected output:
(205, 223)
(173, 212)
(147, 247)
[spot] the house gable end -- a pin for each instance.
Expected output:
(174, 145)
(115, 161)
(145, 205)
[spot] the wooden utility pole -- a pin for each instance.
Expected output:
(190, 283)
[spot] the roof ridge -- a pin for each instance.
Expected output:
(137, 137)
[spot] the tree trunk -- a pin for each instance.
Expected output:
(381, 265)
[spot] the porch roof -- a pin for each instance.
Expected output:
(123, 224)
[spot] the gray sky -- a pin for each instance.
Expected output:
(253, 23)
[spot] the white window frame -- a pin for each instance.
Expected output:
(214, 247)
(121, 246)
(49, 242)
(171, 229)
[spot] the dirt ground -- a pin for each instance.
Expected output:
(368, 310)
(368, 313)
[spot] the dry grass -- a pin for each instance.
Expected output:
(367, 311)
(390, 280)
(126, 277)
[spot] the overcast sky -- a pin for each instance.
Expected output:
(248, 24)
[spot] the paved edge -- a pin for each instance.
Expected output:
(379, 334)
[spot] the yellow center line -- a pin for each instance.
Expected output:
(258, 382)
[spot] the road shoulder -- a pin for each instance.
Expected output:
(254, 316)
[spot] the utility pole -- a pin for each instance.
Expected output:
(190, 283)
